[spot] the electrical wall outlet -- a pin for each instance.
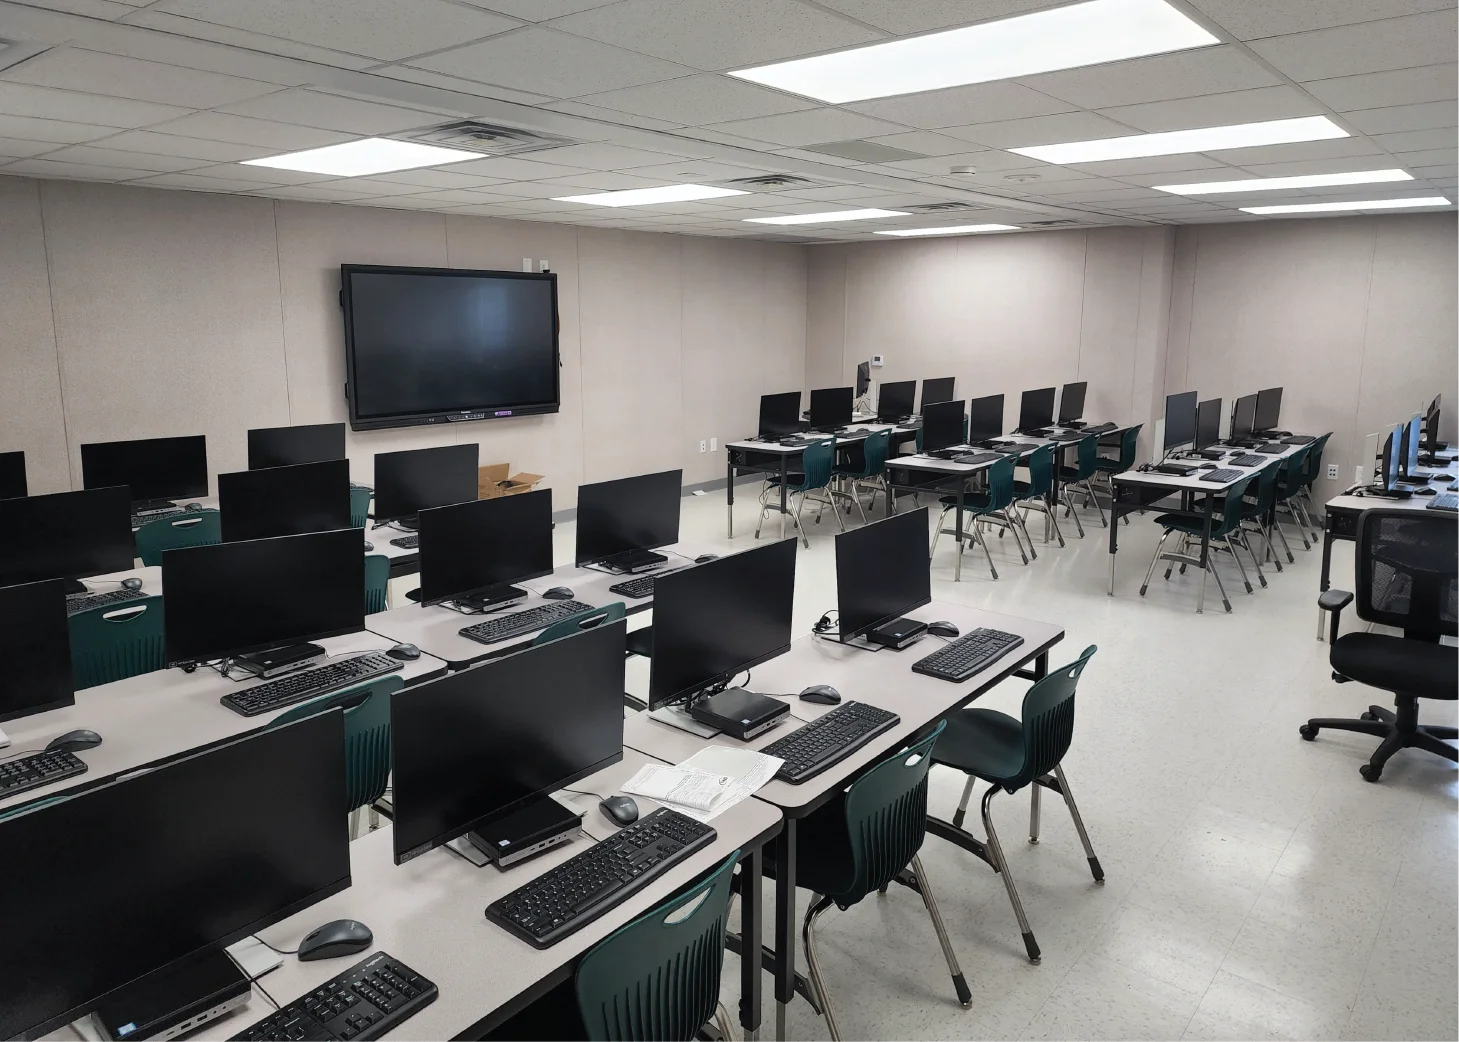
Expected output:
(704, 446)
(1332, 472)
(527, 264)
(543, 266)
(713, 444)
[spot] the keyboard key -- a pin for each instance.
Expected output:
(364, 1002)
(641, 587)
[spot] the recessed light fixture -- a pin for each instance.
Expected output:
(371, 155)
(1090, 33)
(954, 229)
(1362, 204)
(1177, 142)
(1270, 184)
(827, 218)
(650, 196)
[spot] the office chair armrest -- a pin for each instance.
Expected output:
(1334, 601)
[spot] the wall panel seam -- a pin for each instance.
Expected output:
(283, 323)
(40, 200)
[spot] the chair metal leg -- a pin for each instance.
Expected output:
(722, 1022)
(1089, 491)
(937, 532)
(996, 849)
(1012, 527)
(1211, 567)
(1243, 538)
(1053, 522)
(962, 807)
(799, 507)
(1277, 527)
(808, 939)
(1239, 566)
(959, 982)
(1033, 813)
(357, 817)
(1154, 560)
(1094, 866)
(374, 818)
(1078, 525)
(978, 533)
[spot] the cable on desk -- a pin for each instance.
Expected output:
(270, 947)
(15, 754)
(581, 792)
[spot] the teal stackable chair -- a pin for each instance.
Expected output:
(1010, 754)
(873, 470)
(1291, 483)
(1256, 514)
(992, 506)
(1107, 468)
(1311, 472)
(1190, 527)
(1033, 494)
(197, 528)
(583, 620)
(377, 583)
(863, 840)
(116, 641)
(815, 476)
(360, 506)
(1078, 477)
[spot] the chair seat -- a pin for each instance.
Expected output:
(1409, 667)
(1070, 474)
(640, 642)
(1191, 525)
(793, 481)
(976, 501)
(984, 743)
(1024, 490)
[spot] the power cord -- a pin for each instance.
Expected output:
(579, 792)
(270, 947)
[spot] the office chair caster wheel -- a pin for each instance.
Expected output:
(1308, 732)
(1370, 773)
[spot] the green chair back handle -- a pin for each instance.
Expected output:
(1040, 465)
(198, 528)
(360, 506)
(366, 734)
(116, 641)
(377, 582)
(1048, 720)
(583, 620)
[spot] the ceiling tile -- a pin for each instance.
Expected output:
(603, 156)
(1254, 19)
(72, 68)
(332, 112)
(808, 128)
(310, 192)
(988, 159)
(458, 197)
(814, 157)
(1216, 110)
(531, 190)
(28, 128)
(1336, 148)
(1395, 43)
(241, 130)
(696, 100)
(377, 186)
(925, 142)
(697, 169)
(427, 78)
(1157, 176)
(914, 16)
(510, 168)
(196, 183)
(1379, 89)
(107, 9)
(613, 116)
(1417, 140)
(959, 106)
(1040, 130)
(1210, 70)
(194, 44)
(1398, 118)
(156, 144)
(91, 155)
(22, 99)
(539, 10)
(70, 171)
(384, 29)
(13, 148)
(1431, 157)
(602, 181)
(440, 179)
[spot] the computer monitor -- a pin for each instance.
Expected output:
(942, 425)
(155, 469)
(716, 619)
(1388, 461)
(619, 517)
(12, 475)
(309, 497)
(882, 572)
(111, 884)
(830, 407)
(487, 741)
(67, 535)
(863, 378)
(985, 418)
(1036, 410)
(35, 645)
(1268, 409)
(1071, 402)
(1431, 427)
(1408, 464)
(894, 400)
(1208, 423)
(1243, 418)
(476, 550)
(779, 414)
(1180, 419)
(408, 482)
(290, 446)
(237, 598)
(937, 390)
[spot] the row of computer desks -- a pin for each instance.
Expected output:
(152, 820)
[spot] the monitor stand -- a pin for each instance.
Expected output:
(491, 598)
(143, 506)
(409, 524)
(275, 661)
(678, 716)
(74, 587)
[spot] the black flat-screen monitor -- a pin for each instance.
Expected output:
(12, 475)
(417, 479)
(1208, 423)
(486, 741)
(430, 345)
(290, 446)
(640, 513)
(1431, 427)
(779, 414)
(169, 862)
(716, 619)
(830, 407)
(1243, 418)
(68, 535)
(882, 572)
(894, 400)
(985, 418)
(1408, 462)
(35, 647)
(1180, 419)
(1071, 402)
(942, 425)
(469, 548)
(1388, 462)
(153, 468)
(937, 390)
(1036, 409)
(236, 598)
(308, 497)
(863, 378)
(1268, 409)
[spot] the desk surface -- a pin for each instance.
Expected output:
(854, 433)
(1176, 483)
(1444, 477)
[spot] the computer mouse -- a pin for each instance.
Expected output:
(558, 593)
(1430, 491)
(821, 695)
(1208, 466)
(706, 558)
(190, 507)
(404, 652)
(369, 546)
(942, 629)
(620, 810)
(332, 940)
(73, 740)
(131, 583)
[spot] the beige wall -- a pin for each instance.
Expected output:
(139, 313)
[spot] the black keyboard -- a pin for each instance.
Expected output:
(1443, 501)
(504, 626)
(979, 457)
(961, 658)
(1220, 477)
(1246, 461)
(88, 601)
(406, 542)
(643, 586)
(138, 520)
(310, 683)
(809, 750)
(365, 1001)
(570, 896)
(1098, 428)
(1298, 439)
(29, 772)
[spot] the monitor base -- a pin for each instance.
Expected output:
(4, 739)
(678, 716)
(144, 506)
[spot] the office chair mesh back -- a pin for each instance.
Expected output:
(116, 641)
(1000, 483)
(377, 582)
(359, 506)
(1040, 465)
(1407, 576)
(366, 735)
(199, 528)
(658, 977)
(1048, 720)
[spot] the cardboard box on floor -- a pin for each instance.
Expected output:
(492, 481)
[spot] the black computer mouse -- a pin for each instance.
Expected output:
(1208, 466)
(821, 695)
(706, 558)
(558, 593)
(620, 810)
(1430, 491)
(131, 583)
(369, 546)
(193, 507)
(404, 652)
(942, 629)
(73, 740)
(332, 940)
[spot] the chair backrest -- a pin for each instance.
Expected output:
(875, 449)
(366, 735)
(377, 582)
(658, 977)
(1040, 465)
(1406, 571)
(583, 620)
(1086, 457)
(1048, 719)
(1233, 508)
(1261, 495)
(1128, 445)
(360, 506)
(1314, 459)
(817, 461)
(116, 641)
(198, 528)
(1000, 482)
(1292, 479)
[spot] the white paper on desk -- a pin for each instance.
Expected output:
(747, 770)
(683, 787)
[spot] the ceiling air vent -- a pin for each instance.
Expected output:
(1062, 223)
(490, 139)
(941, 207)
(777, 182)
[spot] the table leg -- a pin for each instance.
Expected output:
(1114, 532)
(957, 567)
(729, 498)
(751, 900)
(784, 476)
(784, 926)
(1205, 549)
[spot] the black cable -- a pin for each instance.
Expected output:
(581, 792)
(253, 980)
(270, 947)
(17, 754)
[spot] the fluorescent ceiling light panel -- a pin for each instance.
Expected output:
(1090, 33)
(827, 218)
(371, 155)
(954, 229)
(1270, 184)
(1368, 204)
(1177, 142)
(649, 196)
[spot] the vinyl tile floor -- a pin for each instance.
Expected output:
(1256, 886)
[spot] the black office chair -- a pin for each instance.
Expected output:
(1407, 579)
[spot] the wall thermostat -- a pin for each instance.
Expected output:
(876, 361)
